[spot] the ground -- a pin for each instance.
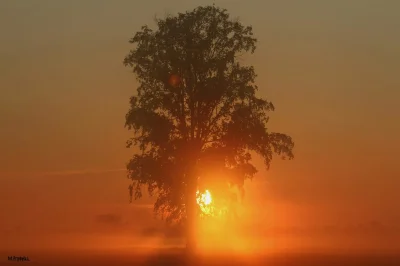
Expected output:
(177, 257)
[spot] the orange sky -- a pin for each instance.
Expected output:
(331, 69)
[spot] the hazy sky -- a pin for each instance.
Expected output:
(330, 67)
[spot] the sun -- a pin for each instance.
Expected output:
(204, 200)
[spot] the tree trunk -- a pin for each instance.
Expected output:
(191, 216)
(190, 198)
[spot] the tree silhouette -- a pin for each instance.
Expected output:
(195, 111)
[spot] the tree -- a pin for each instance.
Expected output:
(195, 111)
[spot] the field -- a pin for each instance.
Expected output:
(177, 257)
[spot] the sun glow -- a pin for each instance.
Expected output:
(204, 200)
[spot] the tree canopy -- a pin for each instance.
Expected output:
(196, 114)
